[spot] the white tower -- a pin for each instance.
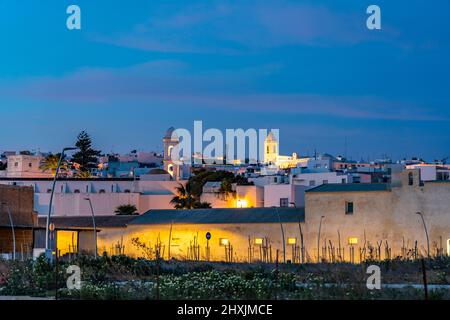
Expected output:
(169, 142)
(270, 149)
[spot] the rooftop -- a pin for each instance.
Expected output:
(351, 187)
(217, 216)
(85, 222)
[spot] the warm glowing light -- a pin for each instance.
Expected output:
(292, 240)
(241, 203)
(258, 241)
(352, 240)
(224, 242)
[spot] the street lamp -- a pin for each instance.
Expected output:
(48, 250)
(8, 209)
(282, 234)
(318, 239)
(93, 223)
(426, 233)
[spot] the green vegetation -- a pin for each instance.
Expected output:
(188, 196)
(121, 277)
(50, 163)
(86, 157)
(185, 199)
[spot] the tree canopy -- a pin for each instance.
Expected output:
(86, 157)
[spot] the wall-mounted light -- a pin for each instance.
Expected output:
(258, 241)
(292, 241)
(241, 203)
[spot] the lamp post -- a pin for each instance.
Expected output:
(8, 209)
(426, 233)
(282, 234)
(48, 250)
(93, 223)
(318, 239)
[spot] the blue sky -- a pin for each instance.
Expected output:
(310, 68)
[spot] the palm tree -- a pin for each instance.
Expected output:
(185, 199)
(50, 163)
(126, 210)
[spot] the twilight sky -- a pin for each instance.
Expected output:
(310, 68)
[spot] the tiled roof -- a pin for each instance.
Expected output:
(351, 187)
(225, 215)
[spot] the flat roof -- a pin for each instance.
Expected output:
(221, 216)
(85, 222)
(351, 187)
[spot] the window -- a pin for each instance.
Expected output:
(224, 242)
(127, 191)
(325, 181)
(16, 164)
(312, 183)
(343, 181)
(448, 247)
(49, 190)
(101, 191)
(284, 202)
(349, 208)
(352, 241)
(410, 179)
(30, 164)
(76, 191)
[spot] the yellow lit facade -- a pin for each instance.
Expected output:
(66, 241)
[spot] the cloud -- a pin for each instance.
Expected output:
(171, 82)
(241, 27)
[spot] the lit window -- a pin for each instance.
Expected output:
(292, 241)
(448, 247)
(349, 208)
(224, 241)
(258, 241)
(352, 241)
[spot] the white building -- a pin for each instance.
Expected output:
(25, 166)
(106, 194)
(310, 178)
(432, 172)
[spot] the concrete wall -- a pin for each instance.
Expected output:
(20, 201)
(106, 195)
(382, 216)
(273, 193)
(182, 237)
